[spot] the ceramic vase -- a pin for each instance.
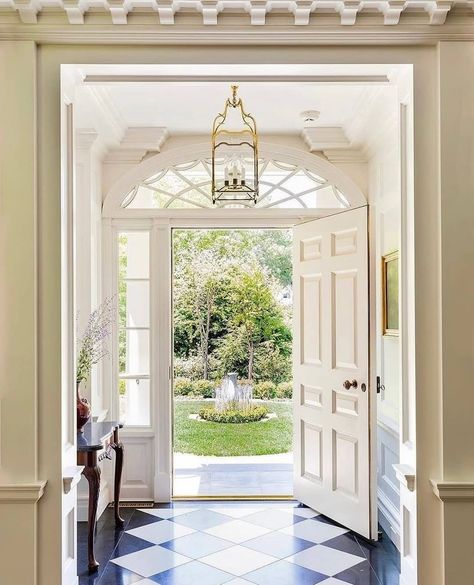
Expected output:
(83, 409)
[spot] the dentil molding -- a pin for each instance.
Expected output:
(257, 12)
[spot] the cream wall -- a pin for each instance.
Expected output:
(444, 431)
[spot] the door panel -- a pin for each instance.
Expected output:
(331, 347)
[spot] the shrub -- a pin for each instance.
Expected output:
(251, 414)
(284, 390)
(264, 390)
(182, 386)
(190, 367)
(271, 363)
(203, 388)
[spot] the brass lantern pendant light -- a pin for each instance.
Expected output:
(234, 155)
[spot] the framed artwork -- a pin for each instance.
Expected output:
(390, 306)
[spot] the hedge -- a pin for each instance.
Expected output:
(251, 414)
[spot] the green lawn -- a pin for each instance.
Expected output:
(224, 439)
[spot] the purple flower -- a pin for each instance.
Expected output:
(91, 346)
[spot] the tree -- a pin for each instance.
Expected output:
(226, 289)
(256, 314)
(197, 286)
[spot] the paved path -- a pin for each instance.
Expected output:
(268, 475)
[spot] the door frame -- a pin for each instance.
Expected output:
(161, 304)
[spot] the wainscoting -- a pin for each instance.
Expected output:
(388, 492)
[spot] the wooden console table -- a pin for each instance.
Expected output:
(94, 444)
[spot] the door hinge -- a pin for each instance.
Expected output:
(380, 387)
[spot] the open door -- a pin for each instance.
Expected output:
(330, 368)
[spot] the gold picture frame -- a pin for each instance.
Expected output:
(390, 294)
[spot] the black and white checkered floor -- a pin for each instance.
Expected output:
(242, 543)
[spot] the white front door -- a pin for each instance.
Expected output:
(331, 376)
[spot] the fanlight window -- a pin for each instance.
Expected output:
(188, 185)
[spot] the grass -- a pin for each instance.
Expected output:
(232, 439)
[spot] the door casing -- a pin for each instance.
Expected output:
(161, 366)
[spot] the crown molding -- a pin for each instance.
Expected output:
(345, 155)
(145, 138)
(322, 138)
(145, 30)
(109, 112)
(136, 143)
(21, 493)
(449, 491)
(241, 78)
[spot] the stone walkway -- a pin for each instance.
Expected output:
(267, 475)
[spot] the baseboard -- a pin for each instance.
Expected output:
(389, 518)
(83, 502)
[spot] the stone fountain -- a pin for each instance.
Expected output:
(231, 395)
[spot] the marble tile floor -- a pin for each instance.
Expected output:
(237, 543)
(260, 475)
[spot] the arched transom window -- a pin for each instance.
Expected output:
(282, 185)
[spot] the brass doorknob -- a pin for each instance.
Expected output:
(348, 385)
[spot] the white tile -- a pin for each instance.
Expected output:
(323, 559)
(167, 512)
(150, 561)
(271, 518)
(145, 582)
(303, 512)
(237, 512)
(239, 581)
(237, 531)
(314, 531)
(198, 545)
(159, 532)
(330, 581)
(238, 560)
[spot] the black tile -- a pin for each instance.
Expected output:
(361, 574)
(383, 557)
(346, 543)
(141, 519)
(129, 544)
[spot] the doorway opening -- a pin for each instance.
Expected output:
(154, 194)
(232, 345)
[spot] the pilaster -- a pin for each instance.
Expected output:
(20, 489)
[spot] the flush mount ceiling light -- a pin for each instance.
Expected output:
(234, 154)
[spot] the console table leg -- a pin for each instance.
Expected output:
(118, 448)
(92, 474)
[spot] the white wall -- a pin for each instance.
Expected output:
(384, 195)
(88, 281)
